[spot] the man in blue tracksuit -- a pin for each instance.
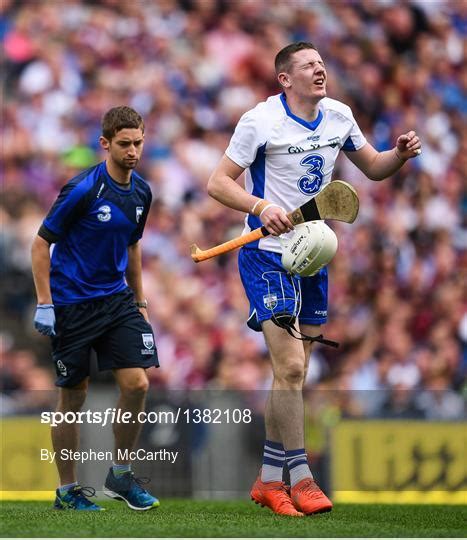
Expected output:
(90, 296)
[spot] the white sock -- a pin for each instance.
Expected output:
(273, 462)
(297, 463)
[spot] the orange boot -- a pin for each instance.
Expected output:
(308, 498)
(275, 496)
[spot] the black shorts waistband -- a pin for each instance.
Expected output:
(100, 299)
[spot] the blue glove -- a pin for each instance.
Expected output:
(44, 319)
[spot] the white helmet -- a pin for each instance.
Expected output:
(312, 246)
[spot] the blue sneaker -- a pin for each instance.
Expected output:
(76, 499)
(128, 488)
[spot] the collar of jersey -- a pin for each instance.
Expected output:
(309, 125)
(114, 185)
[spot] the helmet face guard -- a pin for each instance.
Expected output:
(312, 246)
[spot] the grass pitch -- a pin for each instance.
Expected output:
(187, 518)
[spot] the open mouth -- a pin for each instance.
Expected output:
(319, 82)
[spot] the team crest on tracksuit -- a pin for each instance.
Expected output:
(148, 342)
(61, 368)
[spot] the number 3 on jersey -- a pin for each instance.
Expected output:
(310, 183)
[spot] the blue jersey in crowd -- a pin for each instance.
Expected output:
(92, 223)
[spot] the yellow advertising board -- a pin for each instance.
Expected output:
(23, 475)
(399, 462)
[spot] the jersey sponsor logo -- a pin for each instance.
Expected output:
(313, 138)
(321, 312)
(148, 341)
(139, 213)
(270, 301)
(299, 149)
(105, 213)
(61, 368)
(295, 149)
(310, 183)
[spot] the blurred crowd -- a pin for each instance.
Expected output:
(191, 68)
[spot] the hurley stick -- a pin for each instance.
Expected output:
(337, 200)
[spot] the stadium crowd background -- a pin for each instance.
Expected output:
(191, 68)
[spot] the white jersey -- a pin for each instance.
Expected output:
(288, 159)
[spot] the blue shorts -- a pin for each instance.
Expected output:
(272, 290)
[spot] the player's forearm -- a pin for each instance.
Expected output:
(40, 257)
(226, 190)
(134, 271)
(385, 164)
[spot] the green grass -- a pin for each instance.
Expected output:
(187, 518)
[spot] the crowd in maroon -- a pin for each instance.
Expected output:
(191, 68)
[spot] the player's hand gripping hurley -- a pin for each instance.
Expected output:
(338, 200)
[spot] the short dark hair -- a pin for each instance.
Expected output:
(283, 57)
(119, 118)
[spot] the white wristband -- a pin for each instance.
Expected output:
(252, 211)
(269, 206)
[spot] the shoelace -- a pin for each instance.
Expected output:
(284, 497)
(311, 488)
(140, 481)
(87, 491)
(82, 492)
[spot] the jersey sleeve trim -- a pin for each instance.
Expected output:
(48, 235)
(349, 145)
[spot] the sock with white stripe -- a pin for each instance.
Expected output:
(273, 462)
(298, 465)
